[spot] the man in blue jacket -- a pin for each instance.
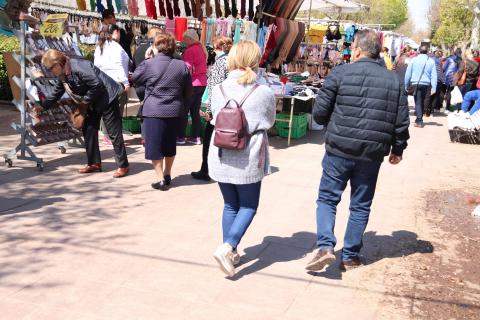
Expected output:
(365, 109)
(422, 74)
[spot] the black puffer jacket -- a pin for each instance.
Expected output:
(366, 112)
(89, 82)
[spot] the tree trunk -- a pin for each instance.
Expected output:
(474, 40)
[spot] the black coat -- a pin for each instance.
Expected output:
(365, 110)
(89, 82)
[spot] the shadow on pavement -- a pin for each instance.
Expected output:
(18, 205)
(377, 247)
(274, 250)
(312, 137)
(187, 180)
(433, 123)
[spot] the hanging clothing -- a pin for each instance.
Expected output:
(181, 25)
(188, 12)
(110, 5)
(198, 6)
(226, 6)
(194, 8)
(100, 7)
(234, 8)
(161, 8)
(218, 9)
(238, 30)
(170, 26)
(176, 9)
(208, 8)
(249, 31)
(118, 4)
(81, 5)
(133, 7)
(169, 9)
(151, 9)
(92, 5)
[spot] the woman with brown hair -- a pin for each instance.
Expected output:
(216, 74)
(167, 83)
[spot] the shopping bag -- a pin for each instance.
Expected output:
(205, 96)
(457, 97)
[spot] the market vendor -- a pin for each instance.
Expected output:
(472, 97)
(82, 80)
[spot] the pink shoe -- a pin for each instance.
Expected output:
(107, 141)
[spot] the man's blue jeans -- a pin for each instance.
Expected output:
(337, 171)
(422, 99)
(241, 203)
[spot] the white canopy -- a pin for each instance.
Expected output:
(333, 6)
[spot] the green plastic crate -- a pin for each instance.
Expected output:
(299, 125)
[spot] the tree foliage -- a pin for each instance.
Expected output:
(455, 23)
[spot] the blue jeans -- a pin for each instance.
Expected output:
(422, 99)
(337, 171)
(241, 203)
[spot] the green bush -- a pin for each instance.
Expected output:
(7, 44)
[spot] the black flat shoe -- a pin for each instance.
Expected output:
(168, 179)
(160, 185)
(200, 175)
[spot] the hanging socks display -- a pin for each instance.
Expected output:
(199, 10)
(100, 7)
(234, 8)
(251, 13)
(169, 9)
(110, 5)
(188, 12)
(218, 9)
(176, 9)
(243, 9)
(161, 8)
(92, 5)
(227, 8)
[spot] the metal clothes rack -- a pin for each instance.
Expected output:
(23, 151)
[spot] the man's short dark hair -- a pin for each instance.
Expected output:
(423, 49)
(107, 13)
(369, 42)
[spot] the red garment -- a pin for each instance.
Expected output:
(180, 28)
(161, 7)
(151, 9)
(477, 59)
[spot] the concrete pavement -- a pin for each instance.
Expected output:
(91, 247)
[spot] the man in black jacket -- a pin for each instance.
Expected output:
(365, 109)
(83, 81)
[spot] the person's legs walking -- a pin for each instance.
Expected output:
(203, 173)
(336, 173)
(363, 182)
(419, 103)
(195, 114)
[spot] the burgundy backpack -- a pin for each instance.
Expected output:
(231, 125)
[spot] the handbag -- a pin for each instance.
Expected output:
(412, 89)
(79, 113)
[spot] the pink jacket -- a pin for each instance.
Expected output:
(196, 61)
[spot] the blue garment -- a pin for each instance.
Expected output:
(261, 37)
(449, 69)
(337, 171)
(440, 74)
(238, 29)
(241, 203)
(414, 70)
(472, 96)
(349, 34)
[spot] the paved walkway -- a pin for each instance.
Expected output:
(91, 247)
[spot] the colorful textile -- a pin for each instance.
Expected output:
(180, 27)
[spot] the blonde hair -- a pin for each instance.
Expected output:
(53, 57)
(223, 43)
(153, 32)
(245, 56)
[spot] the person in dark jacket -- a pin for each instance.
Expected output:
(472, 73)
(167, 83)
(82, 80)
(450, 69)
(365, 109)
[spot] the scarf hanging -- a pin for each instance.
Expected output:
(81, 5)
(110, 5)
(92, 5)
(161, 8)
(176, 9)
(100, 7)
(118, 4)
(199, 10)
(234, 8)
(169, 9)
(251, 13)
(188, 12)
(218, 9)
(194, 8)
(227, 8)
(243, 9)
(208, 8)
(133, 7)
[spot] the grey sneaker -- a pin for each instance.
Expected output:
(235, 258)
(323, 258)
(224, 257)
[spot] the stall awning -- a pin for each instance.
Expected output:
(334, 6)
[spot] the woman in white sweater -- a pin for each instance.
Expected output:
(239, 172)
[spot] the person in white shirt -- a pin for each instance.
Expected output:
(112, 60)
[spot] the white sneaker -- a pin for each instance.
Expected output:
(235, 258)
(224, 257)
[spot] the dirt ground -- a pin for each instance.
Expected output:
(448, 275)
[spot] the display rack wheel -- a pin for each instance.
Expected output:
(40, 166)
(62, 149)
(9, 163)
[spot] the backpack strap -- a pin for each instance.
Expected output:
(244, 98)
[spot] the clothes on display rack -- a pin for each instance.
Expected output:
(176, 8)
(226, 7)
(151, 9)
(133, 7)
(186, 6)
(161, 8)
(169, 9)
(218, 9)
(181, 25)
(287, 9)
(234, 8)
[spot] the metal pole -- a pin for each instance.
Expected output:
(309, 20)
(23, 50)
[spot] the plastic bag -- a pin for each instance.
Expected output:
(205, 96)
(457, 97)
